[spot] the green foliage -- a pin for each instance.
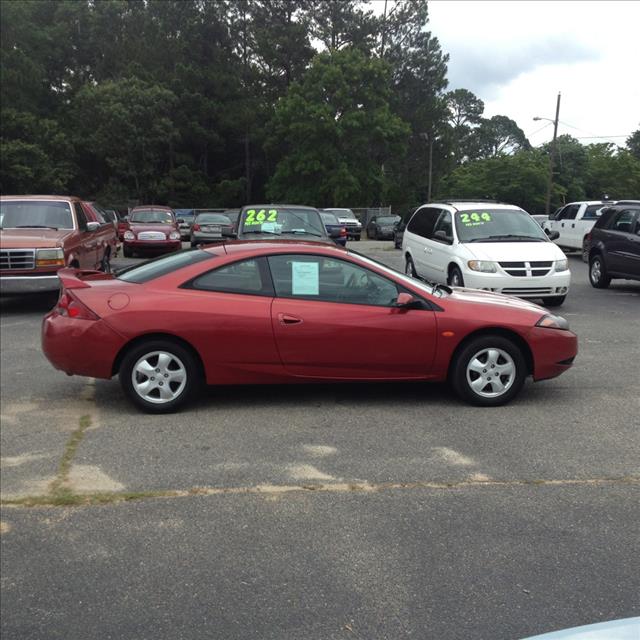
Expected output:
(337, 130)
(633, 144)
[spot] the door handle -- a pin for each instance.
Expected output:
(573, 225)
(285, 318)
(562, 225)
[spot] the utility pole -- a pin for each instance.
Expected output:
(552, 153)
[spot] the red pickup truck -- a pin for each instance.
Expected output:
(41, 234)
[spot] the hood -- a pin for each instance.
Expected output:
(137, 227)
(477, 296)
(32, 238)
(514, 251)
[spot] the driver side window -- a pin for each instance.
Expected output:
(310, 277)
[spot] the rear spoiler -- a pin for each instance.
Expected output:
(77, 278)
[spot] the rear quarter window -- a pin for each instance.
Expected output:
(158, 267)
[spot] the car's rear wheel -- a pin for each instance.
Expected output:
(105, 263)
(598, 272)
(455, 278)
(409, 268)
(159, 376)
(489, 371)
(554, 301)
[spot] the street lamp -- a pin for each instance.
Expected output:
(551, 154)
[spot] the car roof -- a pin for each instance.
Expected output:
(282, 206)
(602, 202)
(146, 207)
(473, 204)
(41, 197)
(261, 247)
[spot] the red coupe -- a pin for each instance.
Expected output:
(289, 311)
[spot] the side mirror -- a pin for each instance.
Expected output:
(442, 235)
(553, 235)
(407, 301)
(93, 226)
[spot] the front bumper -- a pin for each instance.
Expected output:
(10, 285)
(553, 284)
(153, 245)
(553, 352)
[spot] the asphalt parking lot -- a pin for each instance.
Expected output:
(328, 511)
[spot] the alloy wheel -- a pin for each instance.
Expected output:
(159, 377)
(491, 372)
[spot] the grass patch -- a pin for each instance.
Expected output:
(57, 486)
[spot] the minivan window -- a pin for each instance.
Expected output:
(497, 225)
(423, 221)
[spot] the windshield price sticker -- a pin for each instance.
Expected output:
(474, 219)
(260, 217)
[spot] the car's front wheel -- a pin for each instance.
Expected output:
(409, 268)
(489, 371)
(127, 252)
(455, 277)
(598, 273)
(159, 376)
(554, 301)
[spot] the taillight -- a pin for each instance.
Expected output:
(343, 231)
(196, 227)
(69, 305)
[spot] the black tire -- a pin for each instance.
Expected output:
(179, 356)
(462, 385)
(126, 251)
(410, 268)
(554, 301)
(357, 238)
(598, 272)
(105, 263)
(455, 279)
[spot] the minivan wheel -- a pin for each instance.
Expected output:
(159, 376)
(455, 278)
(554, 301)
(489, 371)
(598, 273)
(409, 268)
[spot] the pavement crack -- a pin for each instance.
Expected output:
(59, 487)
(61, 495)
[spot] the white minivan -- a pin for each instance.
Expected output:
(485, 245)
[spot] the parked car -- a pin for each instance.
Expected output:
(613, 245)
(280, 312)
(337, 231)
(485, 245)
(123, 225)
(398, 233)
(574, 221)
(211, 227)
(269, 221)
(41, 234)
(185, 219)
(349, 220)
(382, 227)
(152, 229)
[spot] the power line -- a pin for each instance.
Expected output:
(626, 135)
(540, 129)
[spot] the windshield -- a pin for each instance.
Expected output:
(277, 221)
(30, 214)
(152, 216)
(216, 218)
(329, 218)
(498, 225)
(427, 288)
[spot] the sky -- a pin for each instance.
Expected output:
(516, 56)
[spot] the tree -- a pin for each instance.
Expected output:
(498, 135)
(338, 131)
(341, 23)
(633, 143)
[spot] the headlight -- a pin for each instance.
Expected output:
(129, 235)
(174, 235)
(562, 265)
(553, 322)
(49, 258)
(482, 265)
